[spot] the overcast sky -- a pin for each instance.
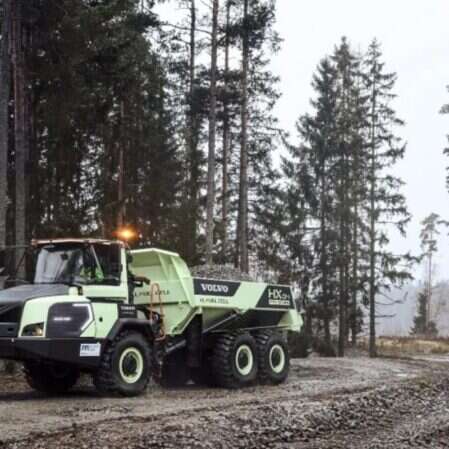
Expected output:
(415, 41)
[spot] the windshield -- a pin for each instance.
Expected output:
(77, 264)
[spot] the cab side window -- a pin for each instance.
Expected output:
(110, 262)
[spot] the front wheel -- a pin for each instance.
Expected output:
(51, 378)
(125, 366)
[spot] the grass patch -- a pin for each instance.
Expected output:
(400, 346)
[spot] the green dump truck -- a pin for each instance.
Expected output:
(95, 306)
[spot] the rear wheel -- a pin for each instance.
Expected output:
(125, 365)
(273, 356)
(234, 361)
(51, 378)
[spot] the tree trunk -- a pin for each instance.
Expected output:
(354, 283)
(429, 289)
(343, 262)
(212, 132)
(342, 300)
(372, 237)
(192, 144)
(226, 141)
(323, 259)
(355, 250)
(5, 92)
(121, 170)
(243, 194)
(20, 121)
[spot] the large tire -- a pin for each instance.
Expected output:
(51, 378)
(234, 360)
(125, 366)
(274, 359)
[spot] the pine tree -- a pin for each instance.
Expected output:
(385, 203)
(347, 171)
(315, 161)
(181, 46)
(429, 245)
(347, 146)
(260, 132)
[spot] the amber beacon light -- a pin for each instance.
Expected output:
(126, 234)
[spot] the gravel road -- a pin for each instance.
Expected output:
(326, 403)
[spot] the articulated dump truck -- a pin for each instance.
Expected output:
(95, 306)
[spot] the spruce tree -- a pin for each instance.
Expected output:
(312, 180)
(349, 152)
(386, 205)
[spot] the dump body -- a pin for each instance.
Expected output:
(222, 304)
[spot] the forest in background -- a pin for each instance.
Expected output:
(111, 117)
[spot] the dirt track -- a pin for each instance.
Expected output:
(327, 403)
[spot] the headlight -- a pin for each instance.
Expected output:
(69, 319)
(33, 330)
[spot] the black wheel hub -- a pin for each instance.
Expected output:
(243, 360)
(129, 365)
(276, 358)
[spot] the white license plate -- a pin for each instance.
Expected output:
(90, 350)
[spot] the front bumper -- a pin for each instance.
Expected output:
(44, 349)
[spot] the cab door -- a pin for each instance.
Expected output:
(109, 279)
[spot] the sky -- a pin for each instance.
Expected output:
(415, 42)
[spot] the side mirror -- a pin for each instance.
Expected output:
(129, 258)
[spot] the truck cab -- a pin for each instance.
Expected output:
(77, 299)
(98, 266)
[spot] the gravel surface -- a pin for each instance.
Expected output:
(326, 403)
